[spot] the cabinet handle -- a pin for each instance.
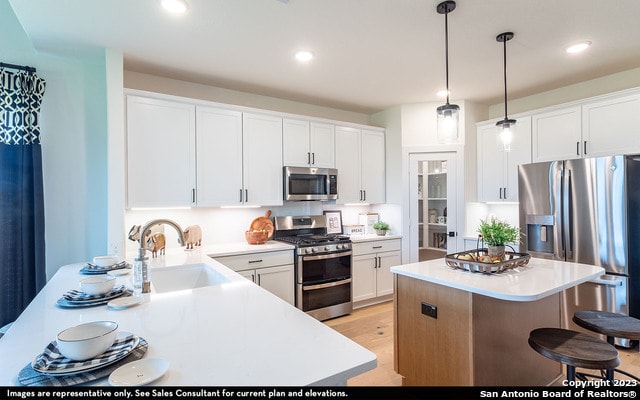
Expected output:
(585, 148)
(577, 148)
(364, 197)
(379, 262)
(376, 247)
(360, 195)
(193, 195)
(254, 261)
(313, 158)
(500, 194)
(504, 192)
(240, 195)
(308, 157)
(246, 195)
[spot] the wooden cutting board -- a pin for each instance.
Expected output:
(263, 224)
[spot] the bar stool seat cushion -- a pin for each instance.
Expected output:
(608, 323)
(574, 348)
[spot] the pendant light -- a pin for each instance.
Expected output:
(448, 114)
(506, 127)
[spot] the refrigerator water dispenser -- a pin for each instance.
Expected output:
(539, 233)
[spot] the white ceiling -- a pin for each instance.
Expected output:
(370, 54)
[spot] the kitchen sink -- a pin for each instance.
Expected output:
(181, 277)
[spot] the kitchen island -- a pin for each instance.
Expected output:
(233, 333)
(459, 328)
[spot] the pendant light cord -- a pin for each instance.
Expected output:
(505, 77)
(446, 52)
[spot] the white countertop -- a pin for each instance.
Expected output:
(232, 334)
(231, 249)
(371, 237)
(538, 279)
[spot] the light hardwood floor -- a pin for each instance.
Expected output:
(372, 328)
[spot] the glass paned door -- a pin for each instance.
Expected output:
(433, 205)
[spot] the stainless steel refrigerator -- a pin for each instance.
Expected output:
(587, 211)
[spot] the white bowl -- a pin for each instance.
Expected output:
(86, 341)
(106, 261)
(96, 285)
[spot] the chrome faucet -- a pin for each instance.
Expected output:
(142, 251)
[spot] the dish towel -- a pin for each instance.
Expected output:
(30, 377)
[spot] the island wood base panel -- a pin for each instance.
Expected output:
(474, 341)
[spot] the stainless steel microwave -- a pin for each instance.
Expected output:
(309, 183)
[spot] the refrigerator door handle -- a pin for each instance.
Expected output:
(566, 215)
(607, 281)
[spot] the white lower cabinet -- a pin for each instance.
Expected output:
(270, 270)
(371, 268)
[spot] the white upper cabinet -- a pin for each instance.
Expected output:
(611, 126)
(360, 160)
(262, 160)
(373, 166)
(498, 169)
(348, 165)
(601, 126)
(322, 140)
(557, 135)
(219, 156)
(160, 153)
(308, 144)
(239, 158)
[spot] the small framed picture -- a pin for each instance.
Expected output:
(334, 221)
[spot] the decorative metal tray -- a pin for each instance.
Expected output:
(470, 261)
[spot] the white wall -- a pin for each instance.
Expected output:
(73, 135)
(606, 84)
(151, 83)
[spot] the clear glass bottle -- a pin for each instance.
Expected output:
(138, 278)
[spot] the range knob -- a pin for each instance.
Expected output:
(339, 246)
(307, 250)
(327, 248)
(315, 249)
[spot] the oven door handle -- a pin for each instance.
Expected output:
(325, 256)
(327, 285)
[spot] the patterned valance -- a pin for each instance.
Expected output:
(20, 99)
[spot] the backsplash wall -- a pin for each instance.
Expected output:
(228, 225)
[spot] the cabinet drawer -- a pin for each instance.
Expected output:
(376, 246)
(256, 260)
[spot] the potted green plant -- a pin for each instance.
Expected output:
(381, 228)
(496, 234)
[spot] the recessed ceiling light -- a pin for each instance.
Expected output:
(577, 47)
(304, 55)
(442, 93)
(175, 6)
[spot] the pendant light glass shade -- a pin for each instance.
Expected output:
(506, 127)
(448, 120)
(506, 132)
(448, 114)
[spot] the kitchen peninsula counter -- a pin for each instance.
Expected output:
(458, 328)
(229, 334)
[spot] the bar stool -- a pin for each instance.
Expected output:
(574, 350)
(612, 325)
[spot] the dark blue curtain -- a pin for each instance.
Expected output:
(22, 247)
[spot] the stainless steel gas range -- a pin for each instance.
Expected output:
(322, 266)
